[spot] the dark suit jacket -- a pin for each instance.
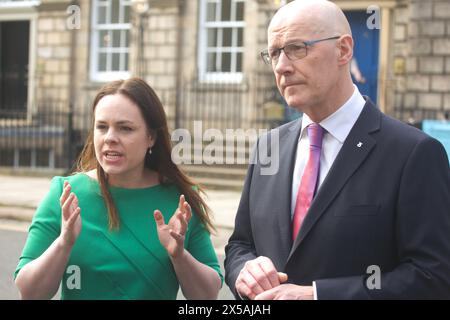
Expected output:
(386, 203)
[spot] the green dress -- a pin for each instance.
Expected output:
(126, 264)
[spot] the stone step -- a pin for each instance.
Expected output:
(214, 177)
(17, 213)
(202, 170)
(219, 183)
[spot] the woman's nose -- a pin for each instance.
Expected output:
(111, 136)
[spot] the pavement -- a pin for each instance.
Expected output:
(20, 196)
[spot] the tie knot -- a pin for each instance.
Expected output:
(315, 135)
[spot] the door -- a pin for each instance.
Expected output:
(365, 53)
(14, 45)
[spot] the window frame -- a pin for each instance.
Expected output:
(96, 28)
(203, 49)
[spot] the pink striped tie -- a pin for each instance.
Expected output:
(309, 179)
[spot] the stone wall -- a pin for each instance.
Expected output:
(53, 54)
(161, 51)
(418, 82)
(424, 27)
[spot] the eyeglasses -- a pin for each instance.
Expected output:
(293, 51)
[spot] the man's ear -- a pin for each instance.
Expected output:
(345, 49)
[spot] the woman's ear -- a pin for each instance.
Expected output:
(151, 138)
(345, 49)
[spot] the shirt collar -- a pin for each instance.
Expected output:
(339, 123)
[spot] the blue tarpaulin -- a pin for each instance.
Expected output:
(440, 130)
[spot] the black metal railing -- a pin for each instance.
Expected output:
(253, 102)
(51, 134)
(48, 135)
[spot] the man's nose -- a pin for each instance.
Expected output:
(283, 64)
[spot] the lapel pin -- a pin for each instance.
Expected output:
(359, 145)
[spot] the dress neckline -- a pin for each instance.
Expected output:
(115, 188)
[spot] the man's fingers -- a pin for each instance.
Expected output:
(252, 283)
(282, 277)
(158, 218)
(245, 291)
(267, 295)
(260, 276)
(269, 269)
(260, 279)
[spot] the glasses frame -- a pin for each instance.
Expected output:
(268, 60)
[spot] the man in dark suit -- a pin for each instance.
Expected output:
(360, 205)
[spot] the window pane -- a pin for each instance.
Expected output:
(227, 37)
(226, 10)
(115, 62)
(102, 61)
(104, 39)
(111, 12)
(101, 15)
(126, 62)
(226, 62)
(240, 11)
(211, 63)
(240, 32)
(211, 11)
(126, 38)
(116, 38)
(239, 62)
(115, 11)
(212, 37)
(126, 15)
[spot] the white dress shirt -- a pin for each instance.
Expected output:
(337, 127)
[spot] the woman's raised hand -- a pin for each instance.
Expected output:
(70, 217)
(172, 235)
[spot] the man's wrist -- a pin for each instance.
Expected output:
(314, 291)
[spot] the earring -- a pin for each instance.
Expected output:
(149, 150)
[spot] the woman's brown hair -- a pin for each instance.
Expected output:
(138, 91)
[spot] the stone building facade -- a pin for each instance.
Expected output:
(422, 59)
(202, 56)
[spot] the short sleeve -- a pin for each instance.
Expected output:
(200, 246)
(45, 226)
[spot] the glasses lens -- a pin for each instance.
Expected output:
(295, 51)
(265, 57)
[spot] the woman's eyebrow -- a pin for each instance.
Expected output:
(117, 122)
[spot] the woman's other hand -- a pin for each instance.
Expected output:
(71, 218)
(172, 235)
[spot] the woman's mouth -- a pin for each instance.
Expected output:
(112, 156)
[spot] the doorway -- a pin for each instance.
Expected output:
(365, 52)
(14, 64)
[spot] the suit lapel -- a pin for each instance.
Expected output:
(282, 195)
(354, 151)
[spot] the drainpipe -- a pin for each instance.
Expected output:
(179, 62)
(72, 88)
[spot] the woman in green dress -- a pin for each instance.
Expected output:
(128, 224)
